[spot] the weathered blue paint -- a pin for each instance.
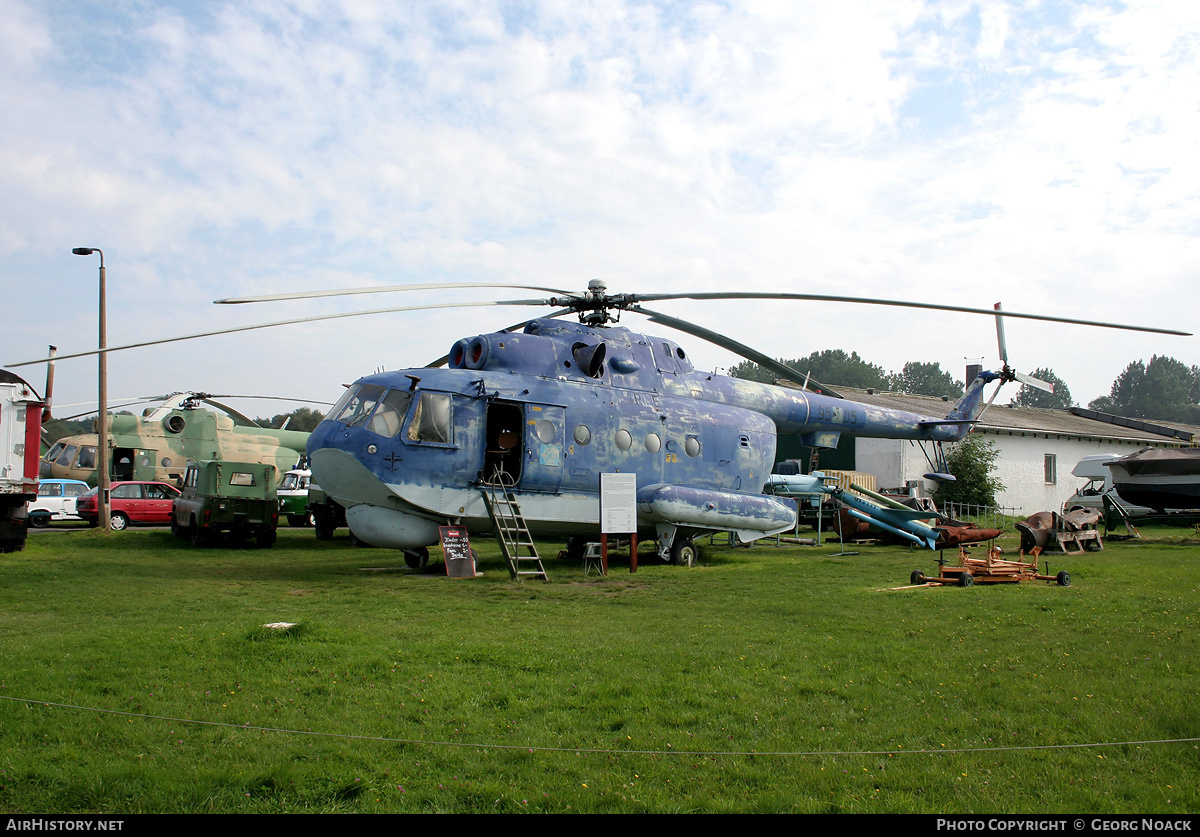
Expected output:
(557, 405)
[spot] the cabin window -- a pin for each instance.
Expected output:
(653, 443)
(357, 408)
(583, 435)
(1051, 469)
(545, 431)
(624, 440)
(389, 418)
(431, 419)
(692, 446)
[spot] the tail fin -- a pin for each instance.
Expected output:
(966, 412)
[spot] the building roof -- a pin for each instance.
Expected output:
(1006, 419)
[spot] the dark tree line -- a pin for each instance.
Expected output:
(835, 367)
(1163, 389)
(303, 418)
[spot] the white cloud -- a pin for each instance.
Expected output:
(1042, 153)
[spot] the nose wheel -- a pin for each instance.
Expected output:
(416, 559)
(684, 552)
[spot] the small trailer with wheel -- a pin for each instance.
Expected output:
(993, 569)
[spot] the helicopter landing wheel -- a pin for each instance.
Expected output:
(684, 553)
(416, 559)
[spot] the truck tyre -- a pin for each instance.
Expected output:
(322, 525)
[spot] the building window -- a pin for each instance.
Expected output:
(1051, 467)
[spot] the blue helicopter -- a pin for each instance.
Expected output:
(546, 406)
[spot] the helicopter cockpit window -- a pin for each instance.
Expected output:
(390, 415)
(358, 404)
(52, 454)
(68, 456)
(87, 456)
(431, 419)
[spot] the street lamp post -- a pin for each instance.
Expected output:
(103, 501)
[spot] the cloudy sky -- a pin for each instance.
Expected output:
(1042, 154)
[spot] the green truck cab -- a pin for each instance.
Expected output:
(293, 496)
(219, 497)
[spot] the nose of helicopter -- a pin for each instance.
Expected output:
(371, 507)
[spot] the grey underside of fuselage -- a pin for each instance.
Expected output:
(550, 513)
(402, 515)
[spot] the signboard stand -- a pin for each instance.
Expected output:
(456, 546)
(618, 514)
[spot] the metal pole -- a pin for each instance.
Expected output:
(103, 499)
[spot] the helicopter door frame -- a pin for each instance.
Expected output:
(545, 436)
(503, 451)
(124, 461)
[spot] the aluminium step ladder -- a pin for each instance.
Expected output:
(512, 534)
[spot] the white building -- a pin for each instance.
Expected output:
(1037, 448)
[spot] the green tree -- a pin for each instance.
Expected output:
(303, 418)
(831, 366)
(1060, 399)
(971, 461)
(1163, 389)
(748, 370)
(919, 378)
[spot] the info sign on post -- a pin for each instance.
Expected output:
(618, 513)
(618, 504)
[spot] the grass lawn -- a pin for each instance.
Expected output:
(768, 679)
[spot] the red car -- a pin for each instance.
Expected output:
(132, 502)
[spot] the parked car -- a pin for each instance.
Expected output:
(132, 502)
(56, 501)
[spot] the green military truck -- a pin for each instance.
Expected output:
(233, 498)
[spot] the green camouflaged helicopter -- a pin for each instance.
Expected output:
(159, 444)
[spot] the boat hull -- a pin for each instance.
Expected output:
(1159, 478)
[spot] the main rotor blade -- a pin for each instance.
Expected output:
(1000, 335)
(296, 321)
(636, 298)
(381, 289)
(231, 412)
(782, 370)
(1036, 383)
(444, 359)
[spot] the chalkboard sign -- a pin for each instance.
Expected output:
(460, 561)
